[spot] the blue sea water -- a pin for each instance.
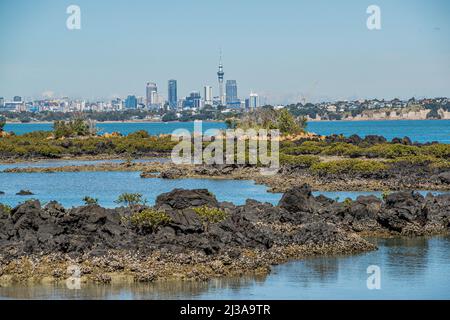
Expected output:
(418, 130)
(69, 188)
(417, 268)
(153, 128)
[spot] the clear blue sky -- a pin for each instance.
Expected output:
(282, 49)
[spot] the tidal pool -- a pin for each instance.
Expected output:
(416, 268)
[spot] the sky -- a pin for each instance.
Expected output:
(285, 50)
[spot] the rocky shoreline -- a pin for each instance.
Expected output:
(38, 243)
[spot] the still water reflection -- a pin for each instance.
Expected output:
(410, 269)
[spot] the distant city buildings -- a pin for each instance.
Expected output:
(232, 100)
(253, 101)
(220, 75)
(194, 100)
(208, 95)
(2, 102)
(172, 94)
(151, 91)
(131, 102)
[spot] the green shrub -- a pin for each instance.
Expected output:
(348, 166)
(420, 159)
(210, 215)
(149, 220)
(131, 199)
(139, 134)
(90, 201)
(392, 151)
(347, 202)
(5, 208)
(341, 149)
(307, 147)
(437, 150)
(303, 160)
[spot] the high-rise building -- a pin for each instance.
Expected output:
(207, 95)
(231, 98)
(253, 101)
(151, 90)
(2, 102)
(220, 75)
(172, 88)
(17, 99)
(194, 100)
(131, 102)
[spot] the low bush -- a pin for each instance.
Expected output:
(305, 161)
(131, 199)
(210, 215)
(348, 166)
(90, 201)
(149, 220)
(5, 208)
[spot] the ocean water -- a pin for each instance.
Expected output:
(418, 130)
(153, 128)
(69, 188)
(416, 268)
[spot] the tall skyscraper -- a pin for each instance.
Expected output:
(207, 95)
(131, 102)
(253, 101)
(151, 91)
(2, 102)
(220, 75)
(17, 99)
(172, 94)
(231, 98)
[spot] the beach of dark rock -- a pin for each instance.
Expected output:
(37, 242)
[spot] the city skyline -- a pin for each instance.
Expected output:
(293, 51)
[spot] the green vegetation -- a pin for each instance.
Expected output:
(348, 166)
(90, 201)
(305, 161)
(131, 199)
(348, 202)
(382, 150)
(43, 144)
(305, 154)
(77, 127)
(268, 118)
(149, 220)
(5, 208)
(210, 215)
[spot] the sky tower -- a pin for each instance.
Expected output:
(220, 75)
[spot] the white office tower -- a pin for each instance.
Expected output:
(151, 93)
(253, 101)
(207, 95)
